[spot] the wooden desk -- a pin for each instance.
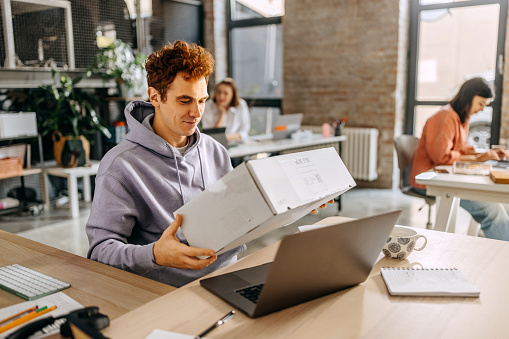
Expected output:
(114, 291)
(251, 147)
(364, 311)
(450, 188)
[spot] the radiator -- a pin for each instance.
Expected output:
(359, 152)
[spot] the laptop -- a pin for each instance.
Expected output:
(308, 265)
(286, 124)
(283, 128)
(219, 134)
(501, 163)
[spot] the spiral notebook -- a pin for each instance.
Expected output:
(431, 282)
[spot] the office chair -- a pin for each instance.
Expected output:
(405, 146)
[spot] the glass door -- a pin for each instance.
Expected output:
(451, 42)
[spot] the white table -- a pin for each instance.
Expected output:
(251, 147)
(72, 175)
(450, 188)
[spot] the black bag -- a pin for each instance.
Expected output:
(71, 151)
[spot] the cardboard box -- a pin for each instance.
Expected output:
(21, 151)
(13, 125)
(500, 177)
(10, 167)
(261, 195)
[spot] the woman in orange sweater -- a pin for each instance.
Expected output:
(444, 141)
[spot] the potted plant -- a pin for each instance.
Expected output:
(68, 114)
(118, 61)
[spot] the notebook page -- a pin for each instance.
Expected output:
(428, 282)
(160, 334)
(64, 303)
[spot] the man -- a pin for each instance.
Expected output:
(163, 163)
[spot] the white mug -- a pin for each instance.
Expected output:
(402, 242)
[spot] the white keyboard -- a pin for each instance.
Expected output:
(27, 283)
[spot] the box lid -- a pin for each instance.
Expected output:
(296, 179)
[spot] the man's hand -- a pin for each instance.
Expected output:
(169, 251)
(315, 211)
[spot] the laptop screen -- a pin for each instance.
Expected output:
(287, 124)
(218, 133)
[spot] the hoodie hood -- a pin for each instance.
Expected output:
(139, 116)
(140, 184)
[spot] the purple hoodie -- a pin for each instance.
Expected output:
(139, 185)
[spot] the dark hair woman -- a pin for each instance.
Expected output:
(444, 141)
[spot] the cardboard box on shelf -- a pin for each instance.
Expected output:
(261, 195)
(21, 151)
(10, 167)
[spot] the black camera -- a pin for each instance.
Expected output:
(89, 317)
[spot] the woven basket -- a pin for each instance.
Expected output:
(10, 167)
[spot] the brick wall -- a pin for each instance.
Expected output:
(341, 60)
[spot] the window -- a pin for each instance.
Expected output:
(176, 20)
(439, 63)
(256, 56)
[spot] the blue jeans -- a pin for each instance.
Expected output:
(493, 217)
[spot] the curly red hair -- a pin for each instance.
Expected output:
(163, 65)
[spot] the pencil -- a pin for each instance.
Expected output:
(14, 316)
(25, 318)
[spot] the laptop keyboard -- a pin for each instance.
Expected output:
(27, 283)
(502, 163)
(251, 293)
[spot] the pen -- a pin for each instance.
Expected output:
(41, 309)
(218, 323)
(26, 318)
(17, 315)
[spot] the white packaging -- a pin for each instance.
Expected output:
(14, 125)
(261, 195)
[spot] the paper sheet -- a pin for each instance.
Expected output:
(64, 303)
(160, 334)
(305, 228)
(305, 177)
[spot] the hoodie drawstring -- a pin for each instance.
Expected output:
(178, 172)
(201, 167)
(178, 175)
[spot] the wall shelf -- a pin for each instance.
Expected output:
(33, 78)
(35, 207)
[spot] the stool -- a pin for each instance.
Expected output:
(72, 175)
